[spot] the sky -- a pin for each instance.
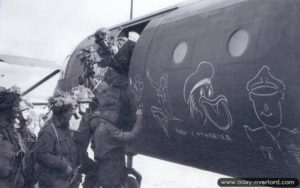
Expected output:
(51, 29)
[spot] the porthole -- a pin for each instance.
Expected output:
(238, 43)
(180, 52)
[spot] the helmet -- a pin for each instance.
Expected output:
(83, 94)
(9, 98)
(61, 100)
(88, 56)
(102, 33)
(15, 89)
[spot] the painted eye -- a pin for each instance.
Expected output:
(266, 107)
(141, 86)
(201, 92)
(209, 92)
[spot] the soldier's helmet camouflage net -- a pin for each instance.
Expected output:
(83, 94)
(61, 101)
(9, 98)
(102, 33)
(88, 56)
(15, 89)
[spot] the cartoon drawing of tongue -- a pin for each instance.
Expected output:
(199, 95)
(217, 111)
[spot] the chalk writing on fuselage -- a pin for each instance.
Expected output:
(206, 135)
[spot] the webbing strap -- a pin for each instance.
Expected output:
(57, 139)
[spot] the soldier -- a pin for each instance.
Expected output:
(83, 133)
(29, 140)
(55, 150)
(115, 114)
(93, 73)
(116, 54)
(112, 58)
(11, 152)
(110, 148)
(113, 103)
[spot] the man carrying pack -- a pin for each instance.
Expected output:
(113, 120)
(116, 54)
(55, 150)
(29, 140)
(82, 134)
(11, 152)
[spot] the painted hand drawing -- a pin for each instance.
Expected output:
(162, 113)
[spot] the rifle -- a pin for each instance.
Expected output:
(74, 175)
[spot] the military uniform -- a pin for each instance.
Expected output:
(117, 79)
(10, 156)
(110, 150)
(115, 112)
(54, 151)
(29, 140)
(82, 139)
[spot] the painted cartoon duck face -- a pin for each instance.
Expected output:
(199, 95)
(206, 95)
(266, 94)
(202, 91)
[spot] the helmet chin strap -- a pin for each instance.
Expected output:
(96, 86)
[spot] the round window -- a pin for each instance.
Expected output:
(180, 52)
(238, 43)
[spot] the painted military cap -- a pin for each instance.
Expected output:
(265, 83)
